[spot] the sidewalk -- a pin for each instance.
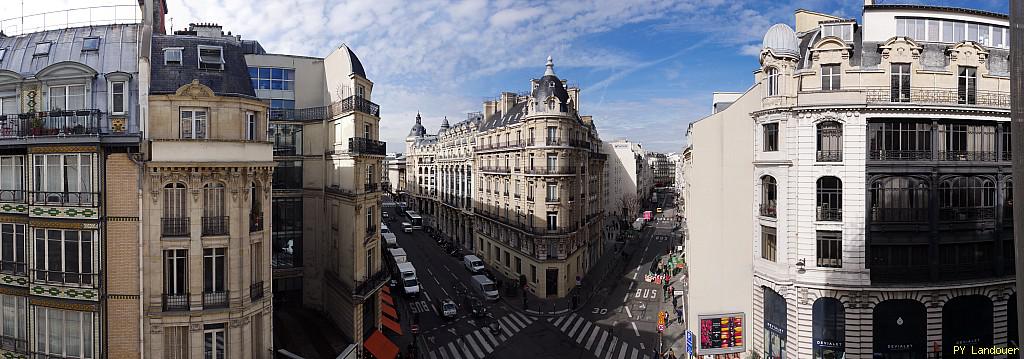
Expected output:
(674, 336)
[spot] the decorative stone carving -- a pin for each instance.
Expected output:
(195, 327)
(194, 89)
(967, 53)
(900, 49)
(830, 50)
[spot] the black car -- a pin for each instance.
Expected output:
(477, 308)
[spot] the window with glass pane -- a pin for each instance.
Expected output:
(175, 271)
(830, 199)
(172, 56)
(272, 78)
(830, 77)
(193, 123)
(900, 83)
(176, 342)
(768, 243)
(63, 333)
(830, 141)
(67, 97)
(552, 220)
(65, 256)
(211, 57)
(769, 196)
(552, 192)
(250, 126)
(8, 105)
(552, 161)
(899, 140)
(287, 139)
(967, 87)
(91, 44)
(213, 270)
(830, 249)
(773, 76)
(13, 323)
(11, 179)
(42, 48)
(117, 97)
(12, 248)
(214, 346)
(64, 179)
(771, 136)
(3, 52)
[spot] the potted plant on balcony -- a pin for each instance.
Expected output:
(37, 126)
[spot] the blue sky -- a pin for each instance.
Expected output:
(646, 68)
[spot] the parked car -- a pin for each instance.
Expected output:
(448, 309)
(485, 287)
(473, 263)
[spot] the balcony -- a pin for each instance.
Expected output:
(899, 155)
(986, 156)
(255, 222)
(369, 284)
(213, 300)
(286, 151)
(967, 214)
(371, 187)
(551, 170)
(52, 123)
(366, 146)
(66, 278)
(174, 227)
(551, 199)
(937, 96)
(215, 226)
(175, 302)
(830, 156)
(12, 267)
(12, 195)
(495, 169)
(355, 103)
(299, 114)
(66, 199)
(767, 210)
(830, 214)
(899, 215)
(256, 291)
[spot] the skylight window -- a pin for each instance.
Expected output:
(211, 57)
(91, 44)
(42, 48)
(172, 56)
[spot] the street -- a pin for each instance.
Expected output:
(619, 321)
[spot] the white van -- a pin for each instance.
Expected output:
(390, 240)
(485, 286)
(406, 227)
(397, 254)
(384, 228)
(410, 285)
(473, 263)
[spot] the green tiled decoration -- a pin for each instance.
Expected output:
(64, 212)
(68, 293)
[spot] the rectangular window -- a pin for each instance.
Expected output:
(519, 265)
(900, 83)
(63, 333)
(193, 123)
(12, 248)
(175, 272)
(552, 162)
(91, 44)
(830, 249)
(842, 31)
(65, 256)
(211, 57)
(552, 220)
(67, 97)
(12, 170)
(552, 192)
(533, 273)
(172, 56)
(8, 106)
(14, 323)
(830, 76)
(273, 78)
(214, 345)
(63, 179)
(552, 135)
(768, 244)
(213, 270)
(360, 91)
(176, 342)
(507, 259)
(42, 49)
(899, 140)
(966, 86)
(118, 98)
(771, 137)
(250, 126)
(366, 130)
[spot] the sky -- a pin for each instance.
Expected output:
(646, 68)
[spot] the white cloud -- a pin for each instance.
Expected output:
(751, 50)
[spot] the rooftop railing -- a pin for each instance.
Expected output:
(937, 95)
(78, 17)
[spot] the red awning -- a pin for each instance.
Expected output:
(389, 310)
(386, 289)
(380, 346)
(391, 324)
(387, 299)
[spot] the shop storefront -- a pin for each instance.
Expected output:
(774, 325)
(900, 329)
(829, 328)
(967, 322)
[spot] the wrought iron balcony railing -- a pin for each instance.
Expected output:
(830, 156)
(900, 155)
(899, 215)
(985, 156)
(215, 226)
(13, 267)
(174, 227)
(12, 195)
(767, 210)
(495, 169)
(355, 103)
(175, 302)
(256, 291)
(937, 95)
(967, 214)
(550, 170)
(299, 114)
(255, 221)
(215, 299)
(366, 146)
(51, 123)
(370, 283)
(71, 199)
(371, 187)
(830, 214)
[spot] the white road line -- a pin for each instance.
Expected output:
(453, 275)
(634, 277)
(637, 332)
(628, 313)
(521, 324)
(483, 342)
(512, 323)
(559, 320)
(600, 343)
(476, 348)
(569, 322)
(593, 336)
(427, 295)
(643, 347)
(454, 351)
(611, 348)
(622, 352)
(626, 298)
(435, 281)
(440, 350)
(487, 333)
(574, 327)
(635, 353)
(442, 288)
(583, 332)
(431, 273)
(504, 328)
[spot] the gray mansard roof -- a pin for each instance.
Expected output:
(499, 119)
(232, 81)
(118, 49)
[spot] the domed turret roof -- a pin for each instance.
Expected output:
(549, 85)
(417, 129)
(444, 125)
(782, 40)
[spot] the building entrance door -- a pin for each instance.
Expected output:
(552, 282)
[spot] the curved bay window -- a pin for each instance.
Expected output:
(769, 195)
(830, 141)
(967, 142)
(899, 199)
(830, 199)
(965, 199)
(899, 140)
(829, 328)
(773, 77)
(774, 324)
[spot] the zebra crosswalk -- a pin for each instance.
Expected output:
(481, 343)
(596, 339)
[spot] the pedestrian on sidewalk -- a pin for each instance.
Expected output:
(679, 315)
(675, 299)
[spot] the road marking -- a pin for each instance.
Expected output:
(594, 335)
(521, 324)
(634, 275)
(465, 348)
(628, 313)
(490, 336)
(583, 333)
(631, 284)
(427, 295)
(622, 352)
(573, 331)
(611, 348)
(504, 328)
(635, 352)
(568, 322)
(442, 289)
(600, 343)
(453, 275)
(455, 352)
(476, 348)
(559, 321)
(637, 332)
(643, 347)
(487, 346)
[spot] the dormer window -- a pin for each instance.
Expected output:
(91, 44)
(42, 49)
(211, 57)
(842, 31)
(3, 52)
(172, 56)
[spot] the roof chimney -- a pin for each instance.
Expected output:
(206, 29)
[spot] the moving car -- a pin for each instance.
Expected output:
(473, 263)
(406, 227)
(410, 285)
(448, 309)
(485, 286)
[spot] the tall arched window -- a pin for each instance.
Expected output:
(830, 199)
(769, 195)
(215, 221)
(773, 77)
(174, 222)
(256, 209)
(830, 141)
(828, 324)
(899, 199)
(966, 199)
